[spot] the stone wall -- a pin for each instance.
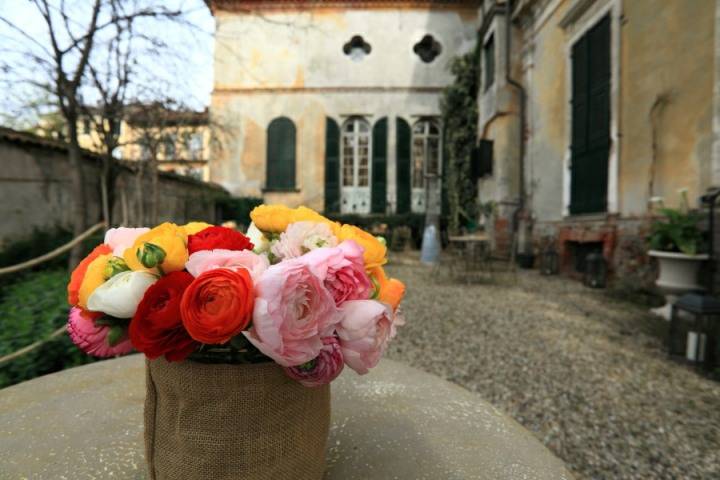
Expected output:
(35, 188)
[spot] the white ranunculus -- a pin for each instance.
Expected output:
(121, 294)
(258, 239)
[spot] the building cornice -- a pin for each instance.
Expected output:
(248, 6)
(338, 89)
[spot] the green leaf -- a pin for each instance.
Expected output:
(115, 334)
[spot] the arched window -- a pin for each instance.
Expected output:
(280, 155)
(355, 162)
(425, 159)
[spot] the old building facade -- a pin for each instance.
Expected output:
(334, 104)
(593, 109)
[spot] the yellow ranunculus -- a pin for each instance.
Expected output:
(375, 250)
(304, 214)
(94, 277)
(194, 227)
(272, 218)
(168, 236)
(276, 218)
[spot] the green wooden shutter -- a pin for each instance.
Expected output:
(590, 146)
(403, 166)
(280, 155)
(332, 166)
(378, 192)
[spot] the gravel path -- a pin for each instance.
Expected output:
(587, 374)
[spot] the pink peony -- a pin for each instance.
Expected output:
(323, 369)
(293, 312)
(302, 237)
(204, 260)
(365, 328)
(342, 270)
(121, 238)
(91, 338)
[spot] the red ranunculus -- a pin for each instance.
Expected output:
(218, 305)
(157, 328)
(218, 238)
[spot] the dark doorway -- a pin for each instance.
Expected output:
(590, 146)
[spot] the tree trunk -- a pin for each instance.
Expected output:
(77, 177)
(155, 194)
(140, 220)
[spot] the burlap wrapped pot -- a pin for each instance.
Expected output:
(222, 421)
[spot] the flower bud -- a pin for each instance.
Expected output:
(150, 255)
(114, 266)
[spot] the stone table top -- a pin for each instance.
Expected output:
(394, 423)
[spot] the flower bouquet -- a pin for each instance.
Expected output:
(243, 334)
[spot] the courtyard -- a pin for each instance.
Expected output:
(586, 372)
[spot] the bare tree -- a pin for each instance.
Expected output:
(62, 66)
(163, 131)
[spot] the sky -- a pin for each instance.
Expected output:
(187, 72)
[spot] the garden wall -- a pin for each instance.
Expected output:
(35, 190)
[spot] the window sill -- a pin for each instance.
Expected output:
(280, 190)
(588, 217)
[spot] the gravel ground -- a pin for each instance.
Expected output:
(587, 374)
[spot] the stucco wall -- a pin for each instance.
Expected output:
(35, 188)
(665, 49)
(290, 63)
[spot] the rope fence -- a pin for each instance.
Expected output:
(36, 261)
(54, 253)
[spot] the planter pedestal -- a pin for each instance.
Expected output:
(678, 275)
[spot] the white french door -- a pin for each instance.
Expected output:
(425, 163)
(355, 170)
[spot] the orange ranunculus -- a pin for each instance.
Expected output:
(374, 250)
(218, 305)
(390, 290)
(78, 274)
(94, 277)
(168, 237)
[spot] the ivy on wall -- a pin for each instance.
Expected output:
(460, 118)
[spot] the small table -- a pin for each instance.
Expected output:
(394, 423)
(469, 254)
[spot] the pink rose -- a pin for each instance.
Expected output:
(204, 260)
(365, 328)
(91, 338)
(342, 270)
(302, 237)
(121, 238)
(323, 369)
(293, 312)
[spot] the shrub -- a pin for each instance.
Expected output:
(31, 308)
(237, 208)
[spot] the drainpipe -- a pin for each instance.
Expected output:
(523, 107)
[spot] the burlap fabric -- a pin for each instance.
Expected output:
(220, 421)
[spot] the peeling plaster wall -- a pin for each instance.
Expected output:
(667, 47)
(291, 63)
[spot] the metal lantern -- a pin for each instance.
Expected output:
(550, 261)
(694, 326)
(596, 270)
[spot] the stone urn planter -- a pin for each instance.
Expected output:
(678, 274)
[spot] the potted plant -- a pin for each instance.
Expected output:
(242, 334)
(679, 245)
